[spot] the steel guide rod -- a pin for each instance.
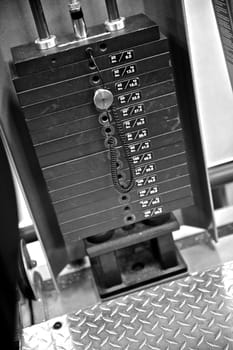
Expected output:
(114, 22)
(112, 9)
(45, 39)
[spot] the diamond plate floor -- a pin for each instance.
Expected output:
(191, 313)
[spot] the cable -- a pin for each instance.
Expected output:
(113, 154)
(89, 51)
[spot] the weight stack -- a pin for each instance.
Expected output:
(55, 90)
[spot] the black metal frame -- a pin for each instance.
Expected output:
(219, 176)
(19, 152)
(170, 17)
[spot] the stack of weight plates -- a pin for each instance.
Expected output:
(56, 89)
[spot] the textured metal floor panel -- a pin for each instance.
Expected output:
(191, 313)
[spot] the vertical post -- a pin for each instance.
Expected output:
(164, 248)
(45, 39)
(219, 194)
(114, 22)
(112, 9)
(106, 270)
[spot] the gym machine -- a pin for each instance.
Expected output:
(111, 151)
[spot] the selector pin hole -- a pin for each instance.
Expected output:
(103, 47)
(127, 208)
(124, 199)
(119, 164)
(129, 218)
(110, 141)
(108, 130)
(121, 176)
(95, 79)
(92, 65)
(104, 118)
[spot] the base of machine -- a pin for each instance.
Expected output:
(136, 256)
(138, 268)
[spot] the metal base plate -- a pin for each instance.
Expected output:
(195, 312)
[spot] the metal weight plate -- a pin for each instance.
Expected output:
(120, 221)
(103, 182)
(151, 126)
(76, 69)
(97, 165)
(108, 198)
(140, 68)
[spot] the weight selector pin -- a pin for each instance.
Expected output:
(103, 99)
